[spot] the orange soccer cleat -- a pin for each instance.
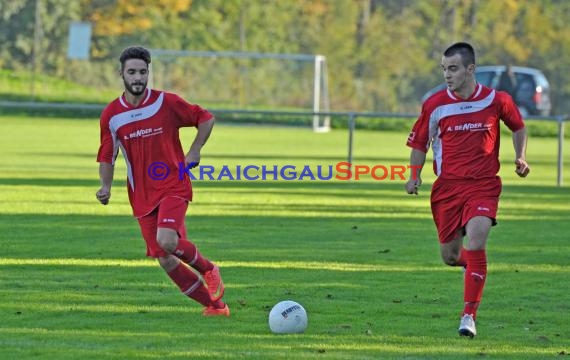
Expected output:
(214, 283)
(213, 311)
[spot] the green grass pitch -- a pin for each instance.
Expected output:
(360, 256)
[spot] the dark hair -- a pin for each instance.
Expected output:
(134, 52)
(464, 49)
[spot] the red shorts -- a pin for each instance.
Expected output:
(169, 214)
(455, 202)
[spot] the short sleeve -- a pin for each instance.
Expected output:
(509, 112)
(187, 114)
(419, 136)
(107, 149)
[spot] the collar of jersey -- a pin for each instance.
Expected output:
(126, 104)
(476, 92)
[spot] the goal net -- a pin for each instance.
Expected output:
(247, 81)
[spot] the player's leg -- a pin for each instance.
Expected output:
(447, 203)
(172, 212)
(188, 282)
(171, 215)
(479, 216)
(453, 252)
(187, 251)
(447, 207)
(477, 229)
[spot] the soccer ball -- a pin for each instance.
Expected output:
(288, 317)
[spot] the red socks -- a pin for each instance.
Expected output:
(190, 284)
(475, 276)
(187, 252)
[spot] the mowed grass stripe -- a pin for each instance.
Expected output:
(292, 265)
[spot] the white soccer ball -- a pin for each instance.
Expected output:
(288, 317)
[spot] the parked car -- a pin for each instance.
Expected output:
(528, 87)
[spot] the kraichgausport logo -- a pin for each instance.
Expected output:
(340, 171)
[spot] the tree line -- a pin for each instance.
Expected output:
(382, 55)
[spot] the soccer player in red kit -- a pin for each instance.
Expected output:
(461, 123)
(144, 123)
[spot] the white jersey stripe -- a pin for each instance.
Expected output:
(116, 144)
(437, 152)
(122, 101)
(129, 168)
(147, 96)
(443, 111)
(464, 107)
(128, 117)
(125, 105)
(133, 115)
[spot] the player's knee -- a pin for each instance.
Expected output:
(167, 239)
(477, 230)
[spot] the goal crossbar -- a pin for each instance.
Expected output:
(320, 78)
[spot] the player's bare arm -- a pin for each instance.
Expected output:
(519, 141)
(204, 131)
(417, 161)
(106, 172)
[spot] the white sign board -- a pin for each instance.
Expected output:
(79, 40)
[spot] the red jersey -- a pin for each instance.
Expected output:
(148, 137)
(464, 133)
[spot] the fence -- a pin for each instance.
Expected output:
(351, 118)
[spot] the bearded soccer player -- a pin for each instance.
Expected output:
(461, 123)
(144, 123)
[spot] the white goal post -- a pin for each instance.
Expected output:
(320, 96)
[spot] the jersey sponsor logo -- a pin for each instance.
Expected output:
(470, 127)
(144, 133)
(140, 132)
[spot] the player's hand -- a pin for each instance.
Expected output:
(412, 186)
(192, 159)
(103, 195)
(522, 169)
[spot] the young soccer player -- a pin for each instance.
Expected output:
(461, 123)
(144, 123)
